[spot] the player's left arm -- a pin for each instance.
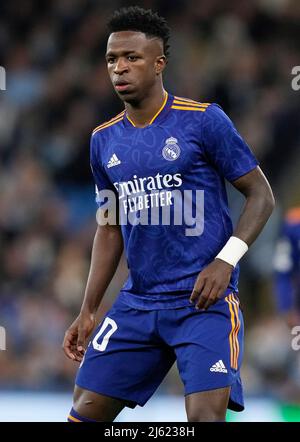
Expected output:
(214, 279)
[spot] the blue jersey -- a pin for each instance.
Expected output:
(188, 148)
(287, 263)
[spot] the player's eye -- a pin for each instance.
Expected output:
(110, 60)
(132, 57)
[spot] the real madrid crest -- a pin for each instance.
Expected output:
(171, 150)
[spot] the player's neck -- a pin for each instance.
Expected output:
(142, 113)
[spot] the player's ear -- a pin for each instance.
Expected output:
(160, 64)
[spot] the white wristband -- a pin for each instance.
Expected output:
(233, 250)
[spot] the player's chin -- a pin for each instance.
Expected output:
(127, 94)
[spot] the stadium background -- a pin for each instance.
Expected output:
(238, 53)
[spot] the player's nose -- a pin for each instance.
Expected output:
(121, 66)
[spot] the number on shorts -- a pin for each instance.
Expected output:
(107, 321)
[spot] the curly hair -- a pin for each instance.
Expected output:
(138, 19)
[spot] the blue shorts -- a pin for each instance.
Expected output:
(132, 350)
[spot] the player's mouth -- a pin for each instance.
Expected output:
(121, 86)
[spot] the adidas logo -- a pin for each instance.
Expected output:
(114, 161)
(219, 366)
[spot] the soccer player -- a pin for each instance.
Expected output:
(180, 301)
(287, 266)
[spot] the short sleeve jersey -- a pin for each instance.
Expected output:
(169, 180)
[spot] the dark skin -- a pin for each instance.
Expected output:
(138, 61)
(106, 254)
(135, 65)
(214, 279)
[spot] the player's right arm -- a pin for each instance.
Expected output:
(106, 254)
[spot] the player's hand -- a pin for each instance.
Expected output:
(76, 335)
(211, 284)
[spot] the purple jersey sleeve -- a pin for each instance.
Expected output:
(224, 146)
(101, 179)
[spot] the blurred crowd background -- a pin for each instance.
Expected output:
(238, 53)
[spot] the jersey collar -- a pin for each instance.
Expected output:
(158, 117)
